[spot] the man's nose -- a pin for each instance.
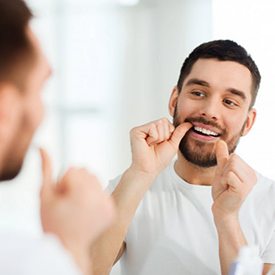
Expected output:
(211, 109)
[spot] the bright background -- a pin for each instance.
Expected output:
(115, 63)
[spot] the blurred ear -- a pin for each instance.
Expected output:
(251, 117)
(9, 108)
(173, 101)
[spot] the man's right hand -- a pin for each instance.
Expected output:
(154, 145)
(75, 209)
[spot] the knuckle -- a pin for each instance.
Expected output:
(230, 166)
(133, 130)
(160, 122)
(234, 157)
(165, 120)
(94, 182)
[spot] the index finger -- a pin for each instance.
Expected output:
(46, 170)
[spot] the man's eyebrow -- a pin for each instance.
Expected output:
(196, 81)
(238, 93)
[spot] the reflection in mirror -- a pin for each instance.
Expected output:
(115, 63)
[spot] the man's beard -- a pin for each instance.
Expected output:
(14, 157)
(201, 153)
(12, 168)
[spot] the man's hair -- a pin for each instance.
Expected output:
(223, 50)
(16, 51)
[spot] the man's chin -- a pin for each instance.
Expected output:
(202, 162)
(199, 154)
(10, 174)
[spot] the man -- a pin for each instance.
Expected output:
(193, 216)
(75, 209)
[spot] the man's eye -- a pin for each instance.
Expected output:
(230, 103)
(198, 93)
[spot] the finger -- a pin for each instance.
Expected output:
(234, 182)
(167, 132)
(46, 170)
(222, 153)
(163, 130)
(220, 180)
(79, 179)
(244, 172)
(171, 128)
(152, 135)
(179, 133)
(71, 178)
(159, 132)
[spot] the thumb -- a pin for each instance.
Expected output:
(222, 154)
(47, 182)
(179, 133)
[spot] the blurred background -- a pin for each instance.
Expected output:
(114, 64)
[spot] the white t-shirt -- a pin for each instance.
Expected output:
(173, 231)
(24, 255)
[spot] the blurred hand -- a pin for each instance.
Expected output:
(154, 144)
(233, 181)
(75, 209)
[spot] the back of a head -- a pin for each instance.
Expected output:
(15, 47)
(223, 50)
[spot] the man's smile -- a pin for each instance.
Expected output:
(205, 132)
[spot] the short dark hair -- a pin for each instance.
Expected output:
(16, 51)
(223, 50)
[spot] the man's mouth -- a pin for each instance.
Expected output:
(205, 132)
(205, 129)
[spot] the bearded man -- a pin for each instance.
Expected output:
(192, 215)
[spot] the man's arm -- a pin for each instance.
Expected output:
(233, 182)
(231, 240)
(153, 146)
(267, 267)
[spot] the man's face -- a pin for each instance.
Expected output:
(29, 113)
(215, 98)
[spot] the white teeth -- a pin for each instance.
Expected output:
(205, 131)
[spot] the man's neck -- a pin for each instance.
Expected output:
(194, 174)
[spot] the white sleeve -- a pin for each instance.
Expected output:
(269, 253)
(28, 256)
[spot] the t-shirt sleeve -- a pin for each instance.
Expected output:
(269, 253)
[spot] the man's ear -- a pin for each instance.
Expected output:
(251, 117)
(173, 101)
(9, 108)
